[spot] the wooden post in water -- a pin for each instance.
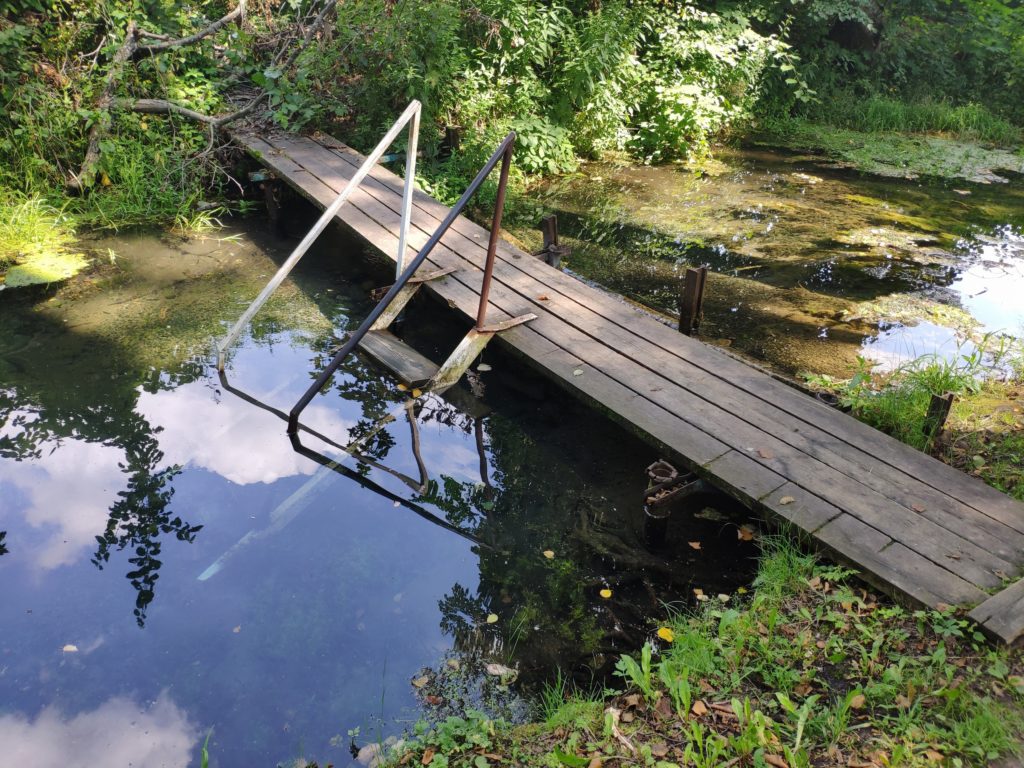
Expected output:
(552, 252)
(938, 412)
(691, 301)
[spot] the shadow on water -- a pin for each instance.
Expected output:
(809, 264)
(173, 561)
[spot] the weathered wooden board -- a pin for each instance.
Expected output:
(913, 525)
(411, 368)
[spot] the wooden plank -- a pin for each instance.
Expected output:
(888, 564)
(1002, 615)
(911, 464)
(983, 564)
(800, 507)
(897, 484)
(411, 368)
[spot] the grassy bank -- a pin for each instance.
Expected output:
(811, 668)
(984, 434)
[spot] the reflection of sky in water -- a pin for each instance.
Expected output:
(991, 288)
(898, 344)
(118, 732)
(328, 613)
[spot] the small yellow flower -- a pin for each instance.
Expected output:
(666, 634)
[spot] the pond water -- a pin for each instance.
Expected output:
(810, 266)
(172, 566)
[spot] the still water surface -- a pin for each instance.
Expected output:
(172, 564)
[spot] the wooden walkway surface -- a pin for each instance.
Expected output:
(914, 526)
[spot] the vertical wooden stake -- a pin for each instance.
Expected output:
(691, 303)
(938, 412)
(552, 252)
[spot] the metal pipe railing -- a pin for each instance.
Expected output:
(503, 153)
(410, 117)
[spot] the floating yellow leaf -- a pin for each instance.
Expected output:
(492, 618)
(69, 648)
(419, 682)
(416, 393)
(402, 387)
(549, 554)
(666, 634)
(605, 593)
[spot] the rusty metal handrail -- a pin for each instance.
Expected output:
(502, 153)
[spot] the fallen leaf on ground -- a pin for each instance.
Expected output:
(903, 702)
(549, 554)
(917, 508)
(633, 700)
(578, 372)
(858, 701)
(612, 716)
(666, 634)
(419, 682)
(934, 755)
(605, 593)
(694, 544)
(802, 689)
(786, 500)
(492, 618)
(428, 756)
(659, 750)
(764, 453)
(595, 763)
(699, 708)
(543, 297)
(776, 761)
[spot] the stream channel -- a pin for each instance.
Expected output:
(172, 566)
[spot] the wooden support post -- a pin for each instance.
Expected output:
(272, 198)
(691, 304)
(552, 252)
(938, 412)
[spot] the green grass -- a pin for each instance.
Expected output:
(809, 669)
(31, 227)
(880, 114)
(985, 431)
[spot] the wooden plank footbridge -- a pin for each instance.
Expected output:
(912, 525)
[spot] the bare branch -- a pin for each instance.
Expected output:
(162, 107)
(157, 48)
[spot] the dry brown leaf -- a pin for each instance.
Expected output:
(633, 700)
(699, 708)
(934, 755)
(549, 554)
(659, 750)
(858, 701)
(543, 297)
(776, 761)
(419, 682)
(919, 508)
(786, 500)
(663, 707)
(903, 702)
(596, 763)
(613, 716)
(627, 717)
(745, 533)
(802, 689)
(764, 453)
(428, 755)
(434, 701)
(694, 544)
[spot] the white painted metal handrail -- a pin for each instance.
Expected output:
(410, 117)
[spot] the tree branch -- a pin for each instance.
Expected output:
(162, 107)
(152, 50)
